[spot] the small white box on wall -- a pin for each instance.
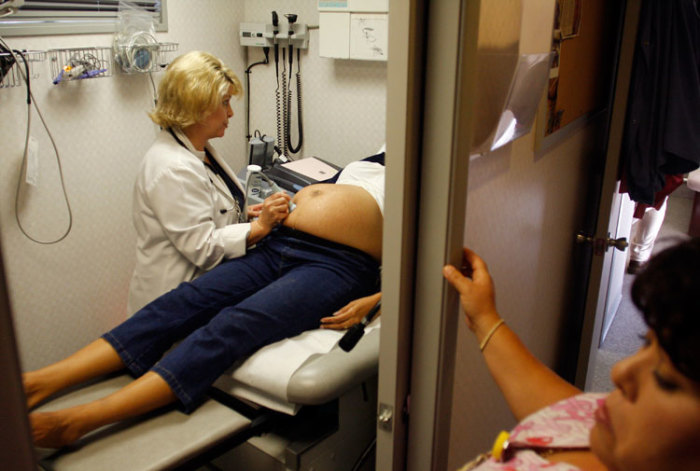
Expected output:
(369, 36)
(334, 35)
(354, 29)
(354, 5)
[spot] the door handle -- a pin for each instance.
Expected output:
(600, 245)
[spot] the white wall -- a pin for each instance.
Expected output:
(65, 295)
(344, 101)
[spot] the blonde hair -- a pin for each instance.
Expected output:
(194, 84)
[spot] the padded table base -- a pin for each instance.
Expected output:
(160, 440)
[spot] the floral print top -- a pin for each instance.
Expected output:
(562, 426)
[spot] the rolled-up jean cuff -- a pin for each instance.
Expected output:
(134, 367)
(137, 370)
(183, 398)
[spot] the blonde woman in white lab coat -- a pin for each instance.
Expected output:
(188, 206)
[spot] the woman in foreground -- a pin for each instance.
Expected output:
(651, 420)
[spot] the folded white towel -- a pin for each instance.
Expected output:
(263, 377)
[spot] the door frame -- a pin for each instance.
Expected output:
(17, 451)
(431, 77)
(403, 129)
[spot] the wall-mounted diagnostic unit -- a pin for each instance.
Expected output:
(263, 35)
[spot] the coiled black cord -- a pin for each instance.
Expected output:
(285, 107)
(292, 148)
(278, 106)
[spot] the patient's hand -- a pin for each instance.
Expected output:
(351, 313)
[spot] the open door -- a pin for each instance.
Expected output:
(432, 117)
(603, 240)
(431, 80)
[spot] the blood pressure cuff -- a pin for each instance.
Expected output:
(7, 60)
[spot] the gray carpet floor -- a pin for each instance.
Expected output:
(627, 328)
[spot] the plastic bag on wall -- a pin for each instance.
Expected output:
(520, 108)
(135, 45)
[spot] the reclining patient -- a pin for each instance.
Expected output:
(326, 254)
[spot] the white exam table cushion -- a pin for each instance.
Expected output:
(160, 441)
(307, 369)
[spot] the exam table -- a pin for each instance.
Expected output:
(298, 404)
(325, 420)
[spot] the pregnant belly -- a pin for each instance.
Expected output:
(346, 214)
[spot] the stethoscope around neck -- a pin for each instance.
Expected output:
(212, 164)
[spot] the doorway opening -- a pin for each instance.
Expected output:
(621, 335)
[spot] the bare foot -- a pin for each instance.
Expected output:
(94, 360)
(36, 389)
(53, 429)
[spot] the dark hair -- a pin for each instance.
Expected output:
(667, 292)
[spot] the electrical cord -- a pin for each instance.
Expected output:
(283, 92)
(278, 107)
(87, 60)
(136, 53)
(266, 50)
(285, 105)
(292, 148)
(80, 66)
(31, 100)
(258, 135)
(26, 70)
(155, 90)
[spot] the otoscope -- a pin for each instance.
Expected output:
(355, 333)
(291, 18)
(275, 31)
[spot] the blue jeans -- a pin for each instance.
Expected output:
(282, 287)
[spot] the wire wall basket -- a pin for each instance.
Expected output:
(166, 51)
(143, 56)
(80, 63)
(12, 76)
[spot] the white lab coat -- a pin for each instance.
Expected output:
(185, 219)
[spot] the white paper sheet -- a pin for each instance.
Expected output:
(312, 167)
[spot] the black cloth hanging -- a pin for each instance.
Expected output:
(662, 127)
